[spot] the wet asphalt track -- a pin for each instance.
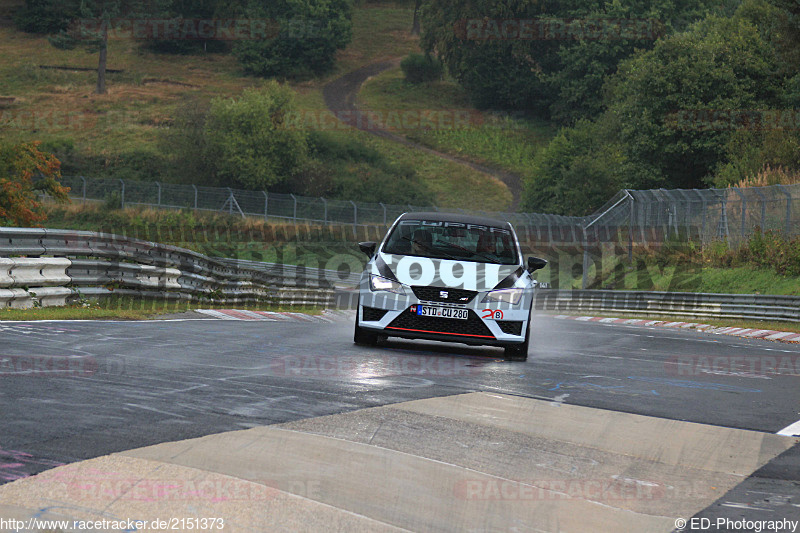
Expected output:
(132, 384)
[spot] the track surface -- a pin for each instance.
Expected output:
(143, 383)
(159, 381)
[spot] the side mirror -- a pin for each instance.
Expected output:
(535, 263)
(368, 248)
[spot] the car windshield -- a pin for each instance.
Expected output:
(453, 240)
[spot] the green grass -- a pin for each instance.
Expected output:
(504, 142)
(154, 88)
(134, 309)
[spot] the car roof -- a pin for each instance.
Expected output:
(433, 216)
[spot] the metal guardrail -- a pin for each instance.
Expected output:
(101, 264)
(668, 304)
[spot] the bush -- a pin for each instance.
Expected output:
(311, 33)
(46, 16)
(421, 68)
(577, 172)
(241, 142)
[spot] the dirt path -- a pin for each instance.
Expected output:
(341, 94)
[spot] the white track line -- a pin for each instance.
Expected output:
(792, 430)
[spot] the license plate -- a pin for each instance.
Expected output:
(442, 312)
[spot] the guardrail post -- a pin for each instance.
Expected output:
(294, 209)
(788, 194)
(84, 189)
(122, 195)
(195, 197)
(325, 212)
(266, 204)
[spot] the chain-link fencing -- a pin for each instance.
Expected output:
(635, 217)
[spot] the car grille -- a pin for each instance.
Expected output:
(434, 294)
(372, 314)
(511, 327)
(472, 326)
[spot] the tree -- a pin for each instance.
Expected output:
(46, 16)
(91, 30)
(415, 23)
(579, 169)
(559, 73)
(665, 99)
(20, 166)
(311, 31)
(241, 142)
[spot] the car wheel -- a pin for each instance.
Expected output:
(519, 352)
(363, 337)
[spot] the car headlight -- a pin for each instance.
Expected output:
(378, 283)
(509, 296)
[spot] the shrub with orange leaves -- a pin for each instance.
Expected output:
(25, 171)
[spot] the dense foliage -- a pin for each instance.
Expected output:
(421, 68)
(25, 171)
(309, 34)
(711, 105)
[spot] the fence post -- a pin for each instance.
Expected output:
(122, 195)
(294, 208)
(705, 209)
(325, 212)
(788, 194)
(159, 194)
(355, 217)
(632, 210)
(266, 204)
(195, 197)
(744, 212)
(384, 212)
(763, 207)
(84, 189)
(584, 280)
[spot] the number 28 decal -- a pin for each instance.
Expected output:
(491, 313)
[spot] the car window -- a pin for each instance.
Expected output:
(453, 240)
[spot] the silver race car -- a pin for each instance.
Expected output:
(448, 277)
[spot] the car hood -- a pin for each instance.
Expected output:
(446, 273)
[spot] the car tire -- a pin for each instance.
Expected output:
(519, 352)
(363, 337)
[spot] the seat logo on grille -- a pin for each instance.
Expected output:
(443, 294)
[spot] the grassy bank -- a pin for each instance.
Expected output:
(503, 142)
(121, 133)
